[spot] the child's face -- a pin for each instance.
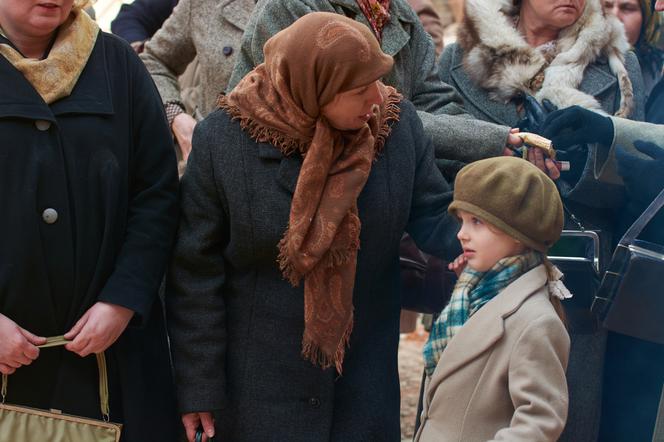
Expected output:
(484, 244)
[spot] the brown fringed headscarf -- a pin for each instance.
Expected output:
(279, 102)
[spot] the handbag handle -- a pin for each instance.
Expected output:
(56, 341)
(643, 220)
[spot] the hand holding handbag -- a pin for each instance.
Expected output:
(26, 424)
(630, 299)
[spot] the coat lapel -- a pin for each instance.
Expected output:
(596, 81)
(19, 99)
(237, 12)
(395, 37)
(92, 93)
(495, 111)
(289, 167)
(468, 344)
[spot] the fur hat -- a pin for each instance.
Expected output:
(513, 195)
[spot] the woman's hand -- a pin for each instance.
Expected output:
(546, 165)
(98, 328)
(192, 421)
(513, 142)
(458, 264)
(183, 129)
(18, 346)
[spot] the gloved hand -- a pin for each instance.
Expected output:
(576, 125)
(644, 178)
(535, 114)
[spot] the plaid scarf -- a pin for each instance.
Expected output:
(471, 292)
(377, 13)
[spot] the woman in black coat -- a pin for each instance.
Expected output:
(277, 321)
(88, 184)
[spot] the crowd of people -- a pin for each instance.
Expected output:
(215, 198)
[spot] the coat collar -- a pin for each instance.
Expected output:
(395, 37)
(496, 111)
(468, 344)
(91, 95)
(237, 12)
(596, 81)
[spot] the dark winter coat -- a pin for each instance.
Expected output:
(138, 21)
(102, 158)
(236, 325)
(655, 104)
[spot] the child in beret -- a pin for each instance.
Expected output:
(496, 356)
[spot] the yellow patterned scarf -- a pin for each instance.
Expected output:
(55, 77)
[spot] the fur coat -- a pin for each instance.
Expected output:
(500, 60)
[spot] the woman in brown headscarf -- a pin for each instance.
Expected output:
(283, 292)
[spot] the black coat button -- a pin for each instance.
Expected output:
(314, 402)
(228, 50)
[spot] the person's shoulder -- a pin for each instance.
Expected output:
(538, 311)
(408, 117)
(116, 48)
(218, 123)
(222, 129)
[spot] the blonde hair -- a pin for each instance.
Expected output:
(557, 305)
(81, 4)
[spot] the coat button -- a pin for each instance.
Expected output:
(50, 216)
(314, 402)
(228, 50)
(42, 124)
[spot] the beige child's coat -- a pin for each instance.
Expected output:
(502, 376)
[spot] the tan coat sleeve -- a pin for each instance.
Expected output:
(168, 53)
(537, 383)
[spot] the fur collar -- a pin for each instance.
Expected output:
(498, 58)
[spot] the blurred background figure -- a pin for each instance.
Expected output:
(136, 22)
(430, 20)
(633, 373)
(643, 27)
(451, 14)
(209, 30)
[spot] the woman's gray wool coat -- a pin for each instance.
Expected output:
(236, 325)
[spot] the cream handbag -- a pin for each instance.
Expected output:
(25, 424)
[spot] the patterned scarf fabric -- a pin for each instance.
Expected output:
(377, 13)
(280, 102)
(471, 292)
(55, 77)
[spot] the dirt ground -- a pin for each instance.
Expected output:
(410, 374)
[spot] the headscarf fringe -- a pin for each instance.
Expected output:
(285, 264)
(392, 111)
(263, 134)
(314, 354)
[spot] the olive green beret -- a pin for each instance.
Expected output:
(513, 195)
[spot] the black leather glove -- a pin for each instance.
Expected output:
(535, 114)
(644, 178)
(576, 125)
